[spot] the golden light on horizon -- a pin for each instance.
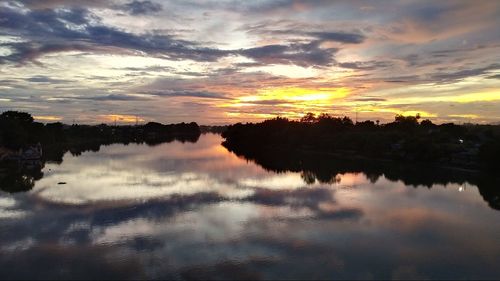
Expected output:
(466, 116)
(292, 94)
(47, 118)
(298, 100)
(492, 95)
(468, 97)
(380, 109)
(121, 118)
(304, 94)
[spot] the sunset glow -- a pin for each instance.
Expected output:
(47, 118)
(121, 118)
(249, 139)
(175, 61)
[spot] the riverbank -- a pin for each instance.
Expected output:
(467, 147)
(352, 155)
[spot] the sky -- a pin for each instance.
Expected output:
(220, 62)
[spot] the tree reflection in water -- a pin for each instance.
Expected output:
(326, 169)
(20, 176)
(312, 167)
(196, 211)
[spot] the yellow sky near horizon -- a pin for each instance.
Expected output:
(214, 64)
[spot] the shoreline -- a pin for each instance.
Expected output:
(389, 160)
(354, 156)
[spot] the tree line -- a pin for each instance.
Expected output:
(18, 130)
(20, 133)
(407, 138)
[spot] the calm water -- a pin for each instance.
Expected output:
(195, 210)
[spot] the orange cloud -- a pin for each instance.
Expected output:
(47, 118)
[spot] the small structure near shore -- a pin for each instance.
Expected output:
(29, 157)
(33, 152)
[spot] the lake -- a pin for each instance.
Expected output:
(197, 211)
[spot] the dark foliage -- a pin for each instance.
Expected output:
(404, 139)
(18, 132)
(323, 168)
(213, 129)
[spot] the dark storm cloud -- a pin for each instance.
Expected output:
(142, 7)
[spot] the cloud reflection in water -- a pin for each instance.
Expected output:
(198, 211)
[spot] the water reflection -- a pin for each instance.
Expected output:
(194, 210)
(19, 176)
(327, 169)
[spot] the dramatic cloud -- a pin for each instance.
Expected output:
(371, 65)
(51, 31)
(45, 79)
(309, 54)
(170, 93)
(111, 97)
(142, 7)
(465, 73)
(73, 30)
(218, 62)
(338, 37)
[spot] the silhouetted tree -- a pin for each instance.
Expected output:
(403, 139)
(489, 155)
(427, 123)
(16, 129)
(21, 118)
(366, 125)
(308, 118)
(407, 120)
